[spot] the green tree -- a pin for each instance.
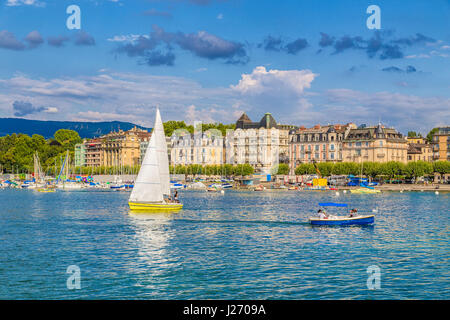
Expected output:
(441, 167)
(325, 168)
(371, 169)
(283, 169)
(418, 169)
(305, 168)
(67, 138)
(392, 169)
(431, 133)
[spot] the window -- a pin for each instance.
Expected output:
(332, 147)
(381, 143)
(367, 144)
(349, 144)
(358, 144)
(317, 147)
(332, 156)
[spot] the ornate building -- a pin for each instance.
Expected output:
(318, 144)
(205, 148)
(262, 144)
(377, 144)
(122, 148)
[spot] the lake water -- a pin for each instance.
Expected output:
(240, 245)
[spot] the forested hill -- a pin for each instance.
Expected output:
(48, 128)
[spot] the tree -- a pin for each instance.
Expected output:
(325, 168)
(441, 167)
(283, 169)
(418, 169)
(67, 138)
(392, 169)
(412, 134)
(371, 169)
(431, 133)
(305, 168)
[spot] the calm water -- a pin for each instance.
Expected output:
(241, 245)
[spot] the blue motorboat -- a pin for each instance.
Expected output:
(341, 220)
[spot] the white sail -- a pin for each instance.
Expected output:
(147, 187)
(163, 159)
(153, 180)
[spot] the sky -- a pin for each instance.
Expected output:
(306, 62)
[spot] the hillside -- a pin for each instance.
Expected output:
(48, 128)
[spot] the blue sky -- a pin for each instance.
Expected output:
(306, 62)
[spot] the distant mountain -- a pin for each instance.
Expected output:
(48, 128)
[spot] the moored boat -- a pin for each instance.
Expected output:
(364, 190)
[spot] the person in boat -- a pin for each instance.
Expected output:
(353, 213)
(322, 214)
(175, 196)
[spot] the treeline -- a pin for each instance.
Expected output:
(213, 170)
(391, 169)
(16, 150)
(193, 169)
(171, 126)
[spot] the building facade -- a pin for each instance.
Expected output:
(80, 155)
(317, 144)
(262, 144)
(204, 148)
(375, 144)
(93, 153)
(441, 144)
(419, 149)
(123, 148)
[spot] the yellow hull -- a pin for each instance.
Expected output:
(155, 207)
(365, 191)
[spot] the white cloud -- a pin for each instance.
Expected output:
(263, 81)
(131, 97)
(14, 3)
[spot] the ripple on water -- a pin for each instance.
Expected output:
(241, 245)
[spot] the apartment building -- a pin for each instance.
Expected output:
(419, 149)
(376, 144)
(262, 144)
(441, 144)
(318, 144)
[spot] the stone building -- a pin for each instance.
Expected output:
(204, 148)
(318, 144)
(376, 144)
(262, 144)
(122, 148)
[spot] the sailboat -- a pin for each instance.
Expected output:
(151, 189)
(364, 189)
